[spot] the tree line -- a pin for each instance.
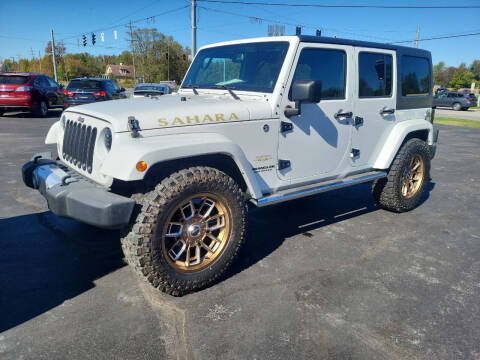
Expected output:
(156, 56)
(457, 77)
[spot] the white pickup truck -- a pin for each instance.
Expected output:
(254, 123)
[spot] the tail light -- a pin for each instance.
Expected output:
(68, 93)
(100, 93)
(23, 88)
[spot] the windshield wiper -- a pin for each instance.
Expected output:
(193, 87)
(229, 89)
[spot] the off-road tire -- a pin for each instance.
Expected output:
(457, 106)
(387, 191)
(41, 110)
(142, 244)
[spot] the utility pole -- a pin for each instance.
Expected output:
(39, 61)
(417, 37)
(168, 60)
(53, 56)
(194, 28)
(133, 52)
(33, 57)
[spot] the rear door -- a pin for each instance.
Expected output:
(10, 83)
(375, 102)
(84, 89)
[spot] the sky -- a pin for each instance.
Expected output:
(25, 24)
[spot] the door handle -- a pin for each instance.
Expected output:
(386, 110)
(343, 115)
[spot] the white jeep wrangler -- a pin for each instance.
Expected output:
(255, 122)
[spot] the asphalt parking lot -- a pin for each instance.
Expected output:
(327, 277)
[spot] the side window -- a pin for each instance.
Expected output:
(51, 82)
(415, 76)
(327, 66)
(115, 85)
(109, 87)
(374, 75)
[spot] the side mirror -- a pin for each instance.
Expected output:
(122, 89)
(304, 91)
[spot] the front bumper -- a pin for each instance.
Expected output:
(70, 195)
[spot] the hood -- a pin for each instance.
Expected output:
(175, 110)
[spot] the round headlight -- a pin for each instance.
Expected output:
(108, 139)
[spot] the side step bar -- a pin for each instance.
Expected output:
(318, 188)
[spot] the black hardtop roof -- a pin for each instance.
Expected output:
(329, 40)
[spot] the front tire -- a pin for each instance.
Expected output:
(188, 230)
(407, 178)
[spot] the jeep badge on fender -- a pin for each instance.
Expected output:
(255, 122)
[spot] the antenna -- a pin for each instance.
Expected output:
(318, 32)
(299, 30)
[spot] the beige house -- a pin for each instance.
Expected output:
(119, 71)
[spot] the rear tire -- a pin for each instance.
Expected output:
(457, 106)
(42, 109)
(187, 231)
(407, 178)
(1, 112)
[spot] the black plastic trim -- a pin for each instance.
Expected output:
(81, 199)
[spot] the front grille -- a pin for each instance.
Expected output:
(78, 144)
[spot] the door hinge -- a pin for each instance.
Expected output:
(286, 126)
(354, 153)
(357, 121)
(283, 164)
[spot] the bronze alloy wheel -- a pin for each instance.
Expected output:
(196, 233)
(412, 176)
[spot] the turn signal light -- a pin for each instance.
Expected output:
(141, 166)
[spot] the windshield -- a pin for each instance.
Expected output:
(85, 84)
(150, 87)
(13, 80)
(248, 67)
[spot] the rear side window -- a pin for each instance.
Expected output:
(375, 75)
(85, 84)
(415, 76)
(13, 80)
(327, 66)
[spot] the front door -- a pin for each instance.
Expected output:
(318, 143)
(375, 100)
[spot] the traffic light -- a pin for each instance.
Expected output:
(84, 40)
(93, 39)
(184, 57)
(166, 56)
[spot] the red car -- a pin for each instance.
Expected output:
(29, 92)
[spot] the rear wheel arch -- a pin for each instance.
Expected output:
(418, 134)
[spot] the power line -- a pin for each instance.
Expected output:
(306, 26)
(437, 38)
(344, 6)
(133, 22)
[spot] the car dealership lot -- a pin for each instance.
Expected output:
(330, 276)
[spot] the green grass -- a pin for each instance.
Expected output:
(457, 122)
